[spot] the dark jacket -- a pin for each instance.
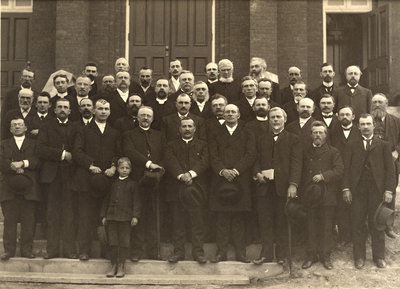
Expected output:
(123, 201)
(232, 91)
(9, 152)
(360, 100)
(170, 126)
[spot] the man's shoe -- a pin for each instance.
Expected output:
(219, 258)
(242, 258)
(380, 263)
(280, 261)
(84, 257)
(112, 271)
(327, 263)
(49, 256)
(175, 258)
(135, 258)
(120, 271)
(29, 255)
(200, 259)
(390, 233)
(6, 256)
(307, 264)
(71, 256)
(359, 263)
(261, 260)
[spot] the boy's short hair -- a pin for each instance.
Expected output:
(124, 160)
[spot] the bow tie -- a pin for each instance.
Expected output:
(346, 129)
(328, 88)
(276, 134)
(353, 87)
(327, 116)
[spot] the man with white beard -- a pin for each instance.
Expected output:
(387, 127)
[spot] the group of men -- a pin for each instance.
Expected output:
(229, 152)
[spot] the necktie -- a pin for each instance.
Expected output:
(328, 116)
(41, 117)
(346, 129)
(368, 144)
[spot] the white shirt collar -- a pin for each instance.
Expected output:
(101, 126)
(251, 100)
(226, 80)
(145, 88)
(123, 178)
(259, 118)
(161, 101)
(231, 130)
(85, 120)
(201, 105)
(144, 128)
(30, 88)
(123, 95)
(212, 81)
(19, 138)
(303, 121)
(175, 82)
(65, 121)
(182, 115)
(42, 114)
(327, 84)
(348, 84)
(62, 95)
(187, 140)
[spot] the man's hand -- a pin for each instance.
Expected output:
(347, 197)
(292, 191)
(20, 171)
(318, 178)
(68, 157)
(110, 172)
(35, 131)
(16, 165)
(134, 221)
(395, 155)
(154, 166)
(94, 170)
(260, 178)
(230, 175)
(104, 221)
(387, 196)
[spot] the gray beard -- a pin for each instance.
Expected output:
(378, 113)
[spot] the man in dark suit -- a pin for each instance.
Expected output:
(143, 88)
(258, 70)
(232, 154)
(260, 124)
(186, 161)
(327, 86)
(286, 93)
(212, 73)
(353, 94)
(19, 193)
(129, 121)
(107, 87)
(200, 105)
(277, 171)
(291, 107)
(144, 147)
(218, 103)
(82, 89)
(86, 110)
(245, 104)
(175, 69)
(266, 89)
(97, 148)
(161, 104)
(302, 126)
(54, 148)
(91, 72)
(325, 114)
(226, 84)
(369, 179)
(170, 123)
(342, 134)
(43, 106)
(186, 80)
(120, 96)
(11, 101)
(387, 127)
(322, 171)
(60, 82)
(24, 110)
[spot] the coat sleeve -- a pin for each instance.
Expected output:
(336, 169)
(202, 163)
(5, 158)
(248, 158)
(171, 161)
(44, 149)
(390, 176)
(215, 159)
(137, 205)
(80, 157)
(296, 161)
(129, 149)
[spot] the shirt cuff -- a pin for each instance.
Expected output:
(345, 189)
(294, 184)
(236, 171)
(179, 176)
(148, 164)
(26, 163)
(193, 174)
(220, 172)
(63, 155)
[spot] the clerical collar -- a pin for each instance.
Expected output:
(123, 178)
(60, 121)
(144, 128)
(226, 80)
(327, 84)
(62, 95)
(259, 118)
(187, 140)
(161, 101)
(212, 81)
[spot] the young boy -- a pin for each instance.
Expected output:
(120, 211)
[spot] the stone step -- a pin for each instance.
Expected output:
(21, 266)
(166, 249)
(56, 278)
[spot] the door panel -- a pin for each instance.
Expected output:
(163, 30)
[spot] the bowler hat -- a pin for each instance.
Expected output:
(313, 195)
(151, 177)
(384, 217)
(229, 193)
(19, 183)
(191, 196)
(100, 185)
(295, 211)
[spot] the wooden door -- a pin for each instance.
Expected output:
(378, 67)
(163, 30)
(14, 48)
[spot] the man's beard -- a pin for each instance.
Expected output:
(345, 122)
(378, 112)
(134, 110)
(305, 114)
(261, 112)
(144, 83)
(162, 94)
(26, 84)
(327, 79)
(353, 81)
(108, 89)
